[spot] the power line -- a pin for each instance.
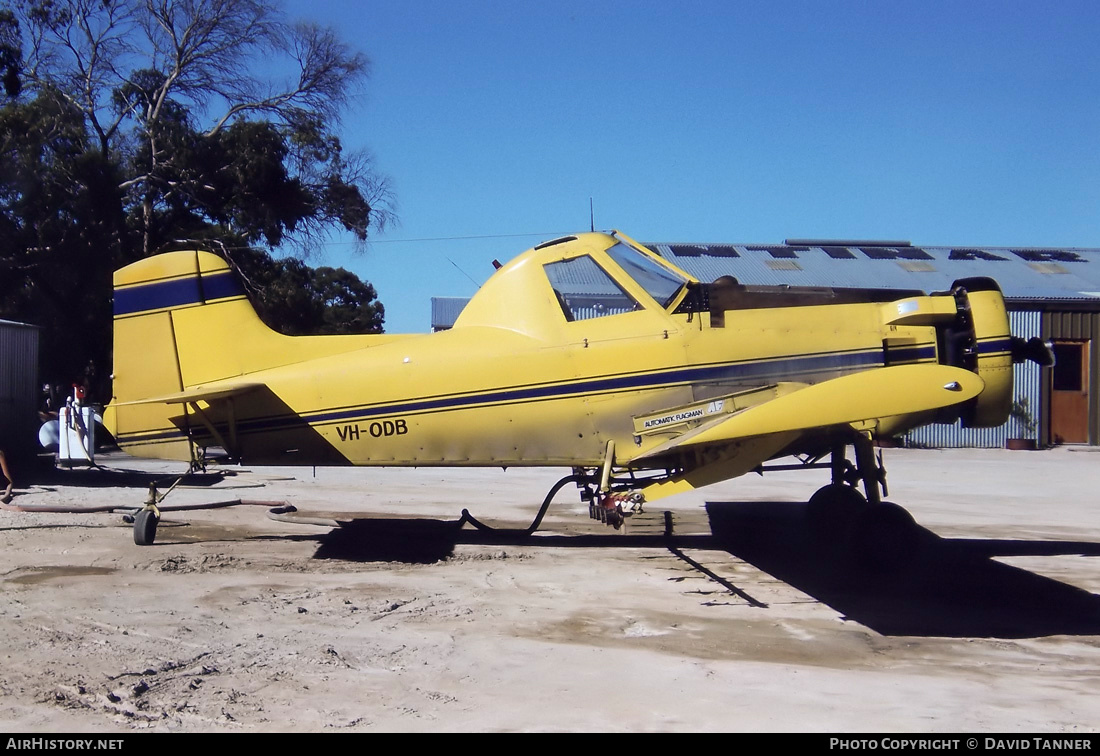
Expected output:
(460, 238)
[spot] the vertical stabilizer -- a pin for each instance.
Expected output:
(177, 317)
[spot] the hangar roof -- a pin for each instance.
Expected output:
(1023, 273)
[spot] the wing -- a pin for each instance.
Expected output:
(850, 399)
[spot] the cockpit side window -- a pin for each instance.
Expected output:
(585, 290)
(659, 282)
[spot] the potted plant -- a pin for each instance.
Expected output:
(1025, 425)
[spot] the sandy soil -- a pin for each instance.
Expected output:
(744, 618)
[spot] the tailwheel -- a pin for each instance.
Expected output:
(886, 537)
(145, 527)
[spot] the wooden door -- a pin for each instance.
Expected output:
(1069, 395)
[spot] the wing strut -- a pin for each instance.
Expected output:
(230, 444)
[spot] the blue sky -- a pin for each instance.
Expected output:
(944, 123)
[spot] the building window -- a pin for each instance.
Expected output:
(1068, 358)
(585, 290)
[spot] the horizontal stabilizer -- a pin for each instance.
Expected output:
(199, 394)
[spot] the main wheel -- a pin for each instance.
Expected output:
(834, 506)
(886, 537)
(145, 527)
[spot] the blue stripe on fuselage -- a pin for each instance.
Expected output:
(776, 369)
(995, 345)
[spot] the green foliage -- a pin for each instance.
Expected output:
(1020, 414)
(295, 299)
(233, 184)
(349, 303)
(61, 226)
(11, 54)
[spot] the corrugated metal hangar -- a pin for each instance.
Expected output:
(1051, 293)
(18, 388)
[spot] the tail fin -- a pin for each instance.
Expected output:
(182, 320)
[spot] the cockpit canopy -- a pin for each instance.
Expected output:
(574, 279)
(586, 290)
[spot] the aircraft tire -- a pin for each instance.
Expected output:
(886, 538)
(834, 506)
(145, 527)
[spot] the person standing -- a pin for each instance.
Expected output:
(7, 477)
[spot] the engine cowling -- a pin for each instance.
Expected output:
(980, 340)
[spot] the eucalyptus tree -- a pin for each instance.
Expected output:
(128, 124)
(212, 107)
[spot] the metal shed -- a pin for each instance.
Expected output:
(18, 388)
(445, 311)
(1071, 400)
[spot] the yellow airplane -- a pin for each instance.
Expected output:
(587, 352)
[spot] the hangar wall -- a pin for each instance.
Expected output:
(1027, 381)
(1063, 327)
(18, 388)
(1067, 328)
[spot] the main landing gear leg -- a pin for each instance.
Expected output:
(870, 469)
(881, 534)
(837, 504)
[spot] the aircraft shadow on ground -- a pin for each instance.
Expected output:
(948, 588)
(425, 541)
(106, 477)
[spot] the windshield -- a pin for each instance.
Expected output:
(659, 282)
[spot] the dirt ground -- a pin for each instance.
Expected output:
(730, 616)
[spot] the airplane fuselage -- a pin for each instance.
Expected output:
(524, 377)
